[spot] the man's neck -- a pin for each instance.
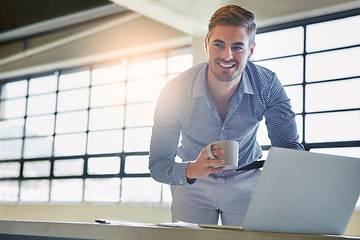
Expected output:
(221, 93)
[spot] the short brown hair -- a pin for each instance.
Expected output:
(236, 16)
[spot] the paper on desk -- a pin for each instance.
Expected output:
(125, 223)
(197, 226)
(179, 224)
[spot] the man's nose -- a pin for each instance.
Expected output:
(227, 54)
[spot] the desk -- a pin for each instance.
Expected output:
(67, 230)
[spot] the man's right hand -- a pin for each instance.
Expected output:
(203, 165)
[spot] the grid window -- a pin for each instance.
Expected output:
(319, 69)
(83, 134)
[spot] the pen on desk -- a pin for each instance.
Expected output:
(103, 221)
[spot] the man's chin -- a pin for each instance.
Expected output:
(226, 78)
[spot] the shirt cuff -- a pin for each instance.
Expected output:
(179, 174)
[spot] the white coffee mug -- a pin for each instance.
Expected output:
(231, 155)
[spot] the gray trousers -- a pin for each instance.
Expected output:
(209, 198)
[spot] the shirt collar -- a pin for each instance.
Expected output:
(200, 85)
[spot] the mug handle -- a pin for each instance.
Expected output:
(208, 149)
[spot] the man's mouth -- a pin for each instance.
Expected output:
(227, 65)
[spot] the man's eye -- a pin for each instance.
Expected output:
(237, 48)
(218, 45)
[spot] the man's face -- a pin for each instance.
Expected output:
(228, 50)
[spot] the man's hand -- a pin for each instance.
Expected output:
(202, 166)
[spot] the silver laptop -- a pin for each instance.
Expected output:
(304, 192)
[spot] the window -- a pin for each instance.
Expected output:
(83, 134)
(317, 61)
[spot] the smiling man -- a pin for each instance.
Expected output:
(223, 99)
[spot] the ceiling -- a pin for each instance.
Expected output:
(19, 18)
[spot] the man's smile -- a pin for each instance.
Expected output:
(227, 65)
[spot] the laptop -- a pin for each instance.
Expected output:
(304, 192)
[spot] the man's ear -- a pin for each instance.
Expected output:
(252, 50)
(206, 45)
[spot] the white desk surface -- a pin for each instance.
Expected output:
(109, 231)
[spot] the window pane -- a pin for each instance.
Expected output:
(289, 70)
(299, 125)
(42, 85)
(40, 126)
(137, 164)
(104, 165)
(137, 139)
(333, 95)
(108, 74)
(108, 95)
(11, 128)
(34, 191)
(41, 104)
(14, 89)
(262, 134)
(13, 108)
(38, 147)
(9, 169)
(10, 149)
(144, 90)
(9, 191)
(37, 169)
(69, 167)
(328, 127)
(140, 114)
(271, 44)
(333, 64)
(140, 190)
(106, 118)
(333, 34)
(67, 190)
(147, 68)
(70, 144)
(71, 122)
(74, 80)
(346, 151)
(166, 194)
(295, 93)
(73, 100)
(102, 190)
(105, 142)
(180, 63)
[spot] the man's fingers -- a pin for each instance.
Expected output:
(216, 162)
(215, 170)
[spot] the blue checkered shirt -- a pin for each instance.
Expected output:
(185, 111)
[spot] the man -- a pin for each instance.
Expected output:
(222, 99)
